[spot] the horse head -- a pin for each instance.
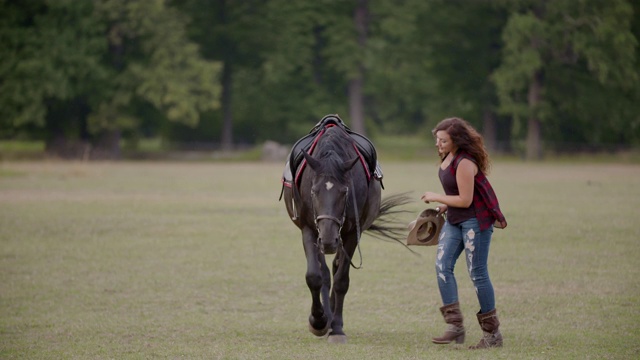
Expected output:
(329, 195)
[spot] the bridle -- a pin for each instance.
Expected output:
(340, 223)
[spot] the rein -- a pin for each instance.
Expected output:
(355, 210)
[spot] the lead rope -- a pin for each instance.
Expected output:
(355, 209)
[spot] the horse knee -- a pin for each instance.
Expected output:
(341, 286)
(314, 280)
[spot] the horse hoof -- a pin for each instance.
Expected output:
(337, 339)
(319, 333)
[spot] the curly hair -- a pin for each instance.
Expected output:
(467, 139)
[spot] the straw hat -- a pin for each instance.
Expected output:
(425, 229)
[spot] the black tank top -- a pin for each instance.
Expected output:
(455, 215)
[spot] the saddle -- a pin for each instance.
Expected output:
(365, 149)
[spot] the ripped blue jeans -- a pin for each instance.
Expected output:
(475, 243)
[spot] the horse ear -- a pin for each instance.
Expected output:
(315, 164)
(347, 165)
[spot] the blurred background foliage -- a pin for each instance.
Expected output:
(91, 78)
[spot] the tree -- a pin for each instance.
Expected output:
(49, 53)
(434, 59)
(356, 82)
(399, 86)
(86, 74)
(321, 52)
(235, 34)
(548, 44)
(86, 68)
(152, 62)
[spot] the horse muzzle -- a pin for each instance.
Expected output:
(329, 234)
(329, 248)
(329, 239)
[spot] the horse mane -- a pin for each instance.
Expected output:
(332, 151)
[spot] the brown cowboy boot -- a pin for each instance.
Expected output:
(491, 335)
(455, 331)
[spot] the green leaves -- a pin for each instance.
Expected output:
(524, 37)
(148, 42)
(47, 52)
(135, 66)
(109, 52)
(584, 53)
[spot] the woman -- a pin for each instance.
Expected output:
(472, 211)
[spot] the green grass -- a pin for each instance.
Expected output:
(394, 148)
(21, 149)
(416, 147)
(138, 260)
(20, 145)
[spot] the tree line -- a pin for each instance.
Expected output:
(531, 74)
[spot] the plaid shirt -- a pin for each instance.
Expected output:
(485, 200)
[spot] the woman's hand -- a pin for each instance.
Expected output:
(429, 196)
(500, 224)
(442, 208)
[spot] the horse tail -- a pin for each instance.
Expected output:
(387, 226)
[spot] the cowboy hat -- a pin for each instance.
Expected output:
(425, 229)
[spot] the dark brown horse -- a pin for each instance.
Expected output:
(333, 201)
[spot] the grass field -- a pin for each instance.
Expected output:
(200, 261)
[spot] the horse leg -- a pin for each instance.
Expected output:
(341, 281)
(316, 276)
